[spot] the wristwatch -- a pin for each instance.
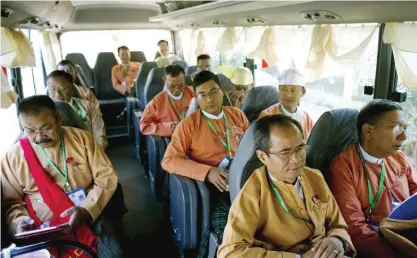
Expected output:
(344, 243)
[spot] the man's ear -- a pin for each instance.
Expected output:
(367, 130)
(304, 90)
(262, 156)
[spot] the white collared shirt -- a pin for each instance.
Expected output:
(210, 116)
(370, 158)
(297, 186)
(296, 115)
(174, 97)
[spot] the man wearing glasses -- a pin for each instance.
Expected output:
(57, 175)
(60, 87)
(169, 107)
(372, 177)
(285, 209)
(208, 138)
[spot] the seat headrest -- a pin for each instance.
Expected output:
(244, 163)
(181, 63)
(333, 133)
(81, 75)
(69, 116)
(79, 59)
(190, 70)
(154, 83)
(144, 70)
(259, 99)
(137, 56)
(225, 83)
(102, 72)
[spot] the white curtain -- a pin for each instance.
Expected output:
(51, 50)
(403, 40)
(7, 95)
(16, 49)
(266, 49)
(228, 41)
(342, 45)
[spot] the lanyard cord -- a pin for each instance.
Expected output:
(225, 144)
(64, 176)
(372, 201)
(80, 111)
(181, 115)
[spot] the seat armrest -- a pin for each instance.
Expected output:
(183, 194)
(156, 149)
(205, 205)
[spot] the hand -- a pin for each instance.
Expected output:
(329, 247)
(79, 217)
(174, 125)
(25, 224)
(218, 177)
(309, 254)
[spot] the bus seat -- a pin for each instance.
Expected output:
(81, 76)
(137, 56)
(69, 116)
(225, 83)
(181, 63)
(156, 147)
(79, 59)
(188, 81)
(190, 70)
(184, 213)
(154, 84)
(102, 71)
(143, 73)
(259, 99)
(333, 133)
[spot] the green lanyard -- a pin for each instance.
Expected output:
(283, 205)
(181, 115)
(372, 201)
(225, 144)
(80, 111)
(64, 175)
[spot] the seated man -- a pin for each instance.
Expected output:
(209, 138)
(123, 76)
(165, 57)
(242, 81)
(291, 90)
(371, 177)
(39, 172)
(168, 108)
(80, 91)
(203, 64)
(285, 209)
(60, 87)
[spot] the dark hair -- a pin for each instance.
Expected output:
(373, 111)
(34, 104)
(174, 70)
(60, 74)
(203, 77)
(203, 57)
(162, 41)
(65, 62)
(263, 128)
(122, 47)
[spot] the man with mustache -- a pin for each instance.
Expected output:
(163, 113)
(372, 177)
(60, 87)
(56, 175)
(242, 80)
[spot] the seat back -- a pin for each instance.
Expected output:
(137, 56)
(154, 84)
(79, 59)
(244, 163)
(190, 70)
(333, 133)
(144, 70)
(102, 74)
(259, 99)
(81, 75)
(69, 116)
(225, 83)
(181, 63)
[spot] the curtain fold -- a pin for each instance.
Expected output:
(51, 50)
(16, 50)
(227, 41)
(266, 49)
(7, 95)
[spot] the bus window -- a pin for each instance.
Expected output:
(90, 43)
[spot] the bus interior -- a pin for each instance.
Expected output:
(351, 52)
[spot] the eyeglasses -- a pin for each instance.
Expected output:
(396, 129)
(46, 131)
(287, 154)
(203, 96)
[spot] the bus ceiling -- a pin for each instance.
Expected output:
(174, 15)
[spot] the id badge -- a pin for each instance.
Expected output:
(225, 163)
(77, 196)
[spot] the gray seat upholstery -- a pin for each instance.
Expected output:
(188, 81)
(225, 83)
(258, 99)
(79, 59)
(333, 133)
(81, 75)
(181, 63)
(190, 70)
(154, 84)
(244, 163)
(137, 56)
(102, 73)
(143, 73)
(69, 116)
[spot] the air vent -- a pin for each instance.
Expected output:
(30, 21)
(320, 16)
(194, 25)
(255, 21)
(5, 12)
(219, 23)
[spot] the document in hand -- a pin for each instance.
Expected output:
(42, 231)
(407, 210)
